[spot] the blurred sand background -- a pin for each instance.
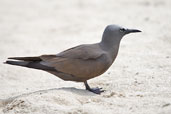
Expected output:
(139, 82)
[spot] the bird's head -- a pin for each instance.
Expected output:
(116, 31)
(113, 34)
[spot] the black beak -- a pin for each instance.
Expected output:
(132, 31)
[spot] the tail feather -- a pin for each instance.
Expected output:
(26, 58)
(34, 65)
(18, 63)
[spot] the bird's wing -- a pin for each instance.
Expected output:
(82, 52)
(77, 61)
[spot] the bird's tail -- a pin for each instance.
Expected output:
(18, 63)
(30, 64)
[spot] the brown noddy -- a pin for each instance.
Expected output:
(82, 62)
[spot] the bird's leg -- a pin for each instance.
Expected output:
(94, 90)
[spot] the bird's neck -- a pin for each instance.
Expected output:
(110, 43)
(111, 46)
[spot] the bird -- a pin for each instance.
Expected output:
(82, 62)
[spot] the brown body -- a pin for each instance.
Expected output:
(80, 63)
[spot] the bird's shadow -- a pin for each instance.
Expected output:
(73, 90)
(68, 89)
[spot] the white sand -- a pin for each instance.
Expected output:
(139, 82)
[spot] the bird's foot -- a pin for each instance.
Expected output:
(96, 90)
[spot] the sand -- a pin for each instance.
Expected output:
(139, 82)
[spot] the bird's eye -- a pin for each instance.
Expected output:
(122, 30)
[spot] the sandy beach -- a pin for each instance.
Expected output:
(139, 81)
